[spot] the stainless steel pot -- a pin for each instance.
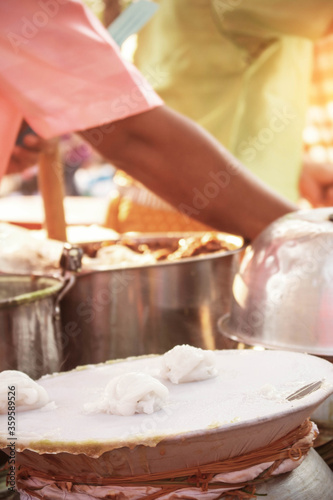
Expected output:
(30, 337)
(115, 313)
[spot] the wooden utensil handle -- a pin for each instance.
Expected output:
(51, 186)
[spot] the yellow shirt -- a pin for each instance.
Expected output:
(241, 69)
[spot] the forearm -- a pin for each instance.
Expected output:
(188, 168)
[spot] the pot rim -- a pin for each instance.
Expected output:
(237, 240)
(55, 285)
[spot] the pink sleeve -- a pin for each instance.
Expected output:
(61, 69)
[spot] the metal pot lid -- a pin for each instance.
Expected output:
(282, 294)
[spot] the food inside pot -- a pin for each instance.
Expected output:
(158, 248)
(24, 251)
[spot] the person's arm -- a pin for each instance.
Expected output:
(185, 166)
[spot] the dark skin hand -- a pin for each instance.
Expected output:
(316, 183)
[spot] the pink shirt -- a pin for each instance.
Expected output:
(61, 71)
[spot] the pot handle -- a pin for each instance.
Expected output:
(71, 258)
(70, 264)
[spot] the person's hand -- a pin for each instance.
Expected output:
(316, 183)
(26, 155)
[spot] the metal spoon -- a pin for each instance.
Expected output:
(304, 391)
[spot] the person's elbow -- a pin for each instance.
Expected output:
(110, 140)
